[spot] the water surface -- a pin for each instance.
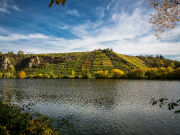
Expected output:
(96, 107)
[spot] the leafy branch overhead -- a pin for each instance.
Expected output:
(166, 16)
(163, 101)
(57, 2)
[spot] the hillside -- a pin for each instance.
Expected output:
(78, 63)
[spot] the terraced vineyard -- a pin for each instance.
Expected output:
(101, 62)
(78, 64)
(88, 62)
(134, 60)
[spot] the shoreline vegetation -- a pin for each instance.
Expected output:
(97, 64)
(13, 120)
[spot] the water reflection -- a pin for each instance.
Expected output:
(88, 94)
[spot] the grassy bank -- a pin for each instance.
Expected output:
(13, 121)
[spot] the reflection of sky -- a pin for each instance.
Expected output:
(82, 26)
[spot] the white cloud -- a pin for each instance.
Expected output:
(6, 6)
(4, 10)
(73, 12)
(125, 33)
(16, 37)
(16, 7)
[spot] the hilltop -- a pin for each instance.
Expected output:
(77, 64)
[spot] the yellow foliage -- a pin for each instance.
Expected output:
(30, 76)
(169, 69)
(1, 74)
(101, 74)
(117, 73)
(21, 74)
(152, 73)
(40, 75)
(137, 73)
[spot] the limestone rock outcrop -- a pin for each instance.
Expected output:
(5, 63)
(33, 62)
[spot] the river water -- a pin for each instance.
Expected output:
(99, 107)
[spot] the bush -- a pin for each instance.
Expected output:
(14, 121)
(21, 74)
(101, 74)
(176, 74)
(72, 76)
(117, 73)
(30, 76)
(152, 73)
(136, 73)
(46, 76)
(162, 73)
(7, 75)
(1, 74)
(40, 76)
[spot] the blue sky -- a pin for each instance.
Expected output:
(33, 27)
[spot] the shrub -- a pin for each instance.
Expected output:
(176, 74)
(169, 69)
(101, 74)
(72, 75)
(40, 76)
(152, 73)
(46, 76)
(136, 73)
(14, 121)
(1, 74)
(162, 73)
(117, 73)
(21, 74)
(30, 76)
(7, 75)
(53, 76)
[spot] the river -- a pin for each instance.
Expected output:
(99, 107)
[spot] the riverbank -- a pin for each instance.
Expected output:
(14, 121)
(161, 73)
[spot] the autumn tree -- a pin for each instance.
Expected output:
(21, 74)
(166, 16)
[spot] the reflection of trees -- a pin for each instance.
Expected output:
(164, 101)
(99, 93)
